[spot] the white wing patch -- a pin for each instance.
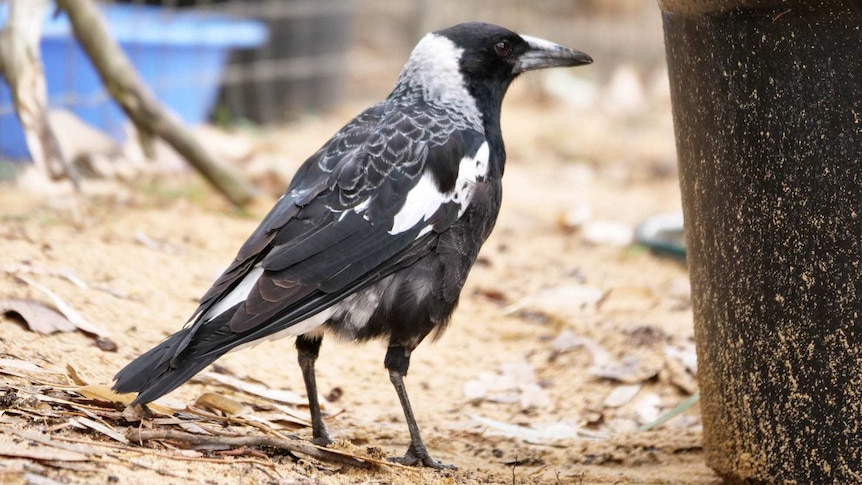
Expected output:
(310, 325)
(240, 293)
(422, 201)
(425, 199)
(237, 295)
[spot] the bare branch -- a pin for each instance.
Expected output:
(136, 435)
(139, 104)
(21, 65)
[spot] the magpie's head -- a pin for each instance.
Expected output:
(493, 53)
(474, 63)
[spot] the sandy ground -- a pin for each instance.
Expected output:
(520, 352)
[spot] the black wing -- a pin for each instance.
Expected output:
(370, 201)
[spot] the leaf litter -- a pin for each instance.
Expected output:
(60, 316)
(626, 407)
(95, 408)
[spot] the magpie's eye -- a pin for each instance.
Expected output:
(503, 48)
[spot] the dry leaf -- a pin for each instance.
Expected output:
(136, 413)
(156, 244)
(69, 276)
(193, 428)
(678, 373)
(621, 395)
(607, 233)
(512, 383)
(73, 316)
(23, 365)
(101, 392)
(574, 217)
(40, 453)
(567, 341)
(302, 417)
(544, 434)
(73, 374)
(33, 479)
(648, 408)
(47, 439)
(629, 370)
(278, 395)
(38, 317)
(685, 353)
(290, 421)
(101, 428)
(533, 396)
(33, 372)
(217, 402)
(628, 299)
(12, 467)
(561, 301)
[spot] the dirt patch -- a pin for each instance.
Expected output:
(516, 391)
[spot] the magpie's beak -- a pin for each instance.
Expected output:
(542, 54)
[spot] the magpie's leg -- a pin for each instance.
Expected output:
(397, 361)
(308, 347)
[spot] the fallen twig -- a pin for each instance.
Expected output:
(140, 105)
(136, 435)
(21, 66)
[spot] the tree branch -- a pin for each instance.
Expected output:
(136, 435)
(139, 104)
(21, 65)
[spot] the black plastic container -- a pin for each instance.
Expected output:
(767, 100)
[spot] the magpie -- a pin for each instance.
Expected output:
(377, 230)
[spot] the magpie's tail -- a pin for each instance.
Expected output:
(163, 368)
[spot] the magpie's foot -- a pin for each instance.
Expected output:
(418, 456)
(322, 439)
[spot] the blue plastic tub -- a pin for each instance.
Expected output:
(179, 55)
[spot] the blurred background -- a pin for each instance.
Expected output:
(270, 62)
